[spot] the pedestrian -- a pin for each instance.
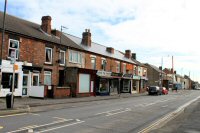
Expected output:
(176, 88)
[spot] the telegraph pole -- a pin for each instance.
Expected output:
(2, 41)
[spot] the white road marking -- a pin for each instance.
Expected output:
(12, 115)
(1, 127)
(61, 126)
(60, 118)
(29, 127)
(108, 111)
(34, 114)
(48, 124)
(127, 109)
(165, 106)
(168, 117)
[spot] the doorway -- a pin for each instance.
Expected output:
(25, 85)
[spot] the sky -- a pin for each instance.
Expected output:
(155, 30)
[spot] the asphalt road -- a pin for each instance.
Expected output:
(125, 115)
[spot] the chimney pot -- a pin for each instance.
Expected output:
(110, 50)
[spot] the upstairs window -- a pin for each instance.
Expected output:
(75, 57)
(62, 57)
(103, 64)
(93, 63)
(13, 46)
(124, 69)
(48, 54)
(118, 67)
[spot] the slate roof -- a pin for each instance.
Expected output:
(27, 28)
(100, 49)
(154, 67)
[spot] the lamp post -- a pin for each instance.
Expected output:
(2, 41)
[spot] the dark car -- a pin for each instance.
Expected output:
(154, 90)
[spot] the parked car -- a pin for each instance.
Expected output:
(164, 91)
(154, 90)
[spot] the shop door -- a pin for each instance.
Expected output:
(25, 85)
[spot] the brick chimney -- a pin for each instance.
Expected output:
(86, 39)
(46, 24)
(56, 32)
(128, 53)
(134, 56)
(110, 50)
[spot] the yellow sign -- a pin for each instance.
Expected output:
(15, 67)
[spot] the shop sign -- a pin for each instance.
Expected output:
(145, 78)
(104, 73)
(127, 76)
(136, 77)
(116, 74)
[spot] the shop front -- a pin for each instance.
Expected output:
(143, 84)
(115, 83)
(126, 83)
(136, 84)
(103, 85)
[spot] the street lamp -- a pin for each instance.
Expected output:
(2, 41)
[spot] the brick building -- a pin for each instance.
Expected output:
(51, 64)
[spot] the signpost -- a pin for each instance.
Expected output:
(12, 61)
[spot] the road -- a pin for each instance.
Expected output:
(125, 115)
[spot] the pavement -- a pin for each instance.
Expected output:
(27, 104)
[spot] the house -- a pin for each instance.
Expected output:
(140, 76)
(155, 75)
(52, 64)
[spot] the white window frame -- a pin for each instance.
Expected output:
(62, 51)
(47, 48)
(47, 73)
(38, 77)
(72, 58)
(16, 49)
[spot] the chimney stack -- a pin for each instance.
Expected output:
(86, 39)
(110, 50)
(134, 56)
(46, 24)
(56, 33)
(128, 54)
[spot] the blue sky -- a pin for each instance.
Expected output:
(154, 29)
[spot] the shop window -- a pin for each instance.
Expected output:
(84, 83)
(35, 79)
(13, 46)
(62, 57)
(47, 78)
(75, 57)
(7, 80)
(93, 63)
(48, 54)
(103, 86)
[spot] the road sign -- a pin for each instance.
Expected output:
(12, 55)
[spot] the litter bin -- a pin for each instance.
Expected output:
(8, 100)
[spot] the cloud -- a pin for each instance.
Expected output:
(151, 28)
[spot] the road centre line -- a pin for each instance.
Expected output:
(12, 115)
(1, 127)
(48, 124)
(78, 122)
